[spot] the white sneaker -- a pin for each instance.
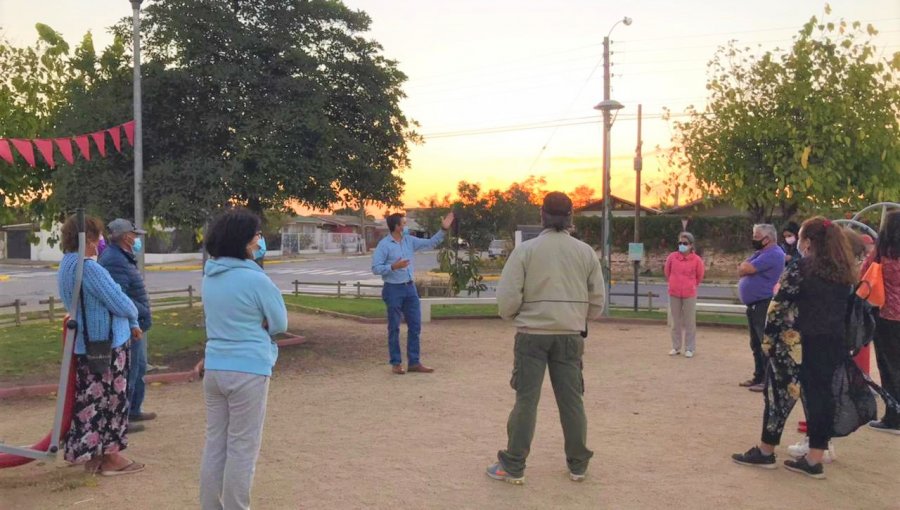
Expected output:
(802, 448)
(674, 352)
(688, 354)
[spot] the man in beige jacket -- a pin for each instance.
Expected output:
(550, 287)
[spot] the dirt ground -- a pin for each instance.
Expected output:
(342, 432)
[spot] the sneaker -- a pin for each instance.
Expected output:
(689, 354)
(674, 352)
(802, 448)
(881, 427)
(577, 478)
(755, 458)
(497, 472)
(802, 466)
(758, 387)
(748, 383)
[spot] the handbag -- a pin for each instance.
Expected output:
(873, 280)
(97, 352)
(859, 322)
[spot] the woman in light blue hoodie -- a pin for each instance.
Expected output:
(243, 310)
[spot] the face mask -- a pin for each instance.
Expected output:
(790, 240)
(138, 245)
(758, 245)
(406, 231)
(683, 248)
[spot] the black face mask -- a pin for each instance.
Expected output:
(758, 245)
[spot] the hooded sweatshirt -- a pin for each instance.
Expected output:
(237, 297)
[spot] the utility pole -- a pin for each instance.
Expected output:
(607, 238)
(638, 166)
(138, 127)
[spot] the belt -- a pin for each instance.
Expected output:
(404, 283)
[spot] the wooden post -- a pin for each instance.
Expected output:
(358, 289)
(296, 287)
(650, 301)
(339, 288)
(18, 305)
(50, 303)
(190, 290)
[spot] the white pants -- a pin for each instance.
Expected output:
(683, 322)
(235, 412)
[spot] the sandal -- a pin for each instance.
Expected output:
(131, 468)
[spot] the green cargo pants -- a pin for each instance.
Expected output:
(533, 355)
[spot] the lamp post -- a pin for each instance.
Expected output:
(606, 106)
(138, 127)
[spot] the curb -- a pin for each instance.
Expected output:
(40, 390)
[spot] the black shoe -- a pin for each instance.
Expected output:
(804, 468)
(755, 458)
(135, 428)
(880, 426)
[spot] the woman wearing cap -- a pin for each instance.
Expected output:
(684, 271)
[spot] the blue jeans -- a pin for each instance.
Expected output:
(402, 299)
(136, 373)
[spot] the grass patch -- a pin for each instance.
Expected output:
(362, 307)
(36, 348)
(716, 318)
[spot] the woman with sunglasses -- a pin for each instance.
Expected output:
(684, 271)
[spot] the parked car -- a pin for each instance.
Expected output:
(498, 248)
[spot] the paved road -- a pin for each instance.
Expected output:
(32, 285)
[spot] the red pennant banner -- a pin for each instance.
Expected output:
(25, 149)
(65, 148)
(100, 139)
(45, 145)
(84, 146)
(116, 136)
(129, 132)
(6, 151)
(46, 149)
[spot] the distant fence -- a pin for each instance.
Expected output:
(174, 298)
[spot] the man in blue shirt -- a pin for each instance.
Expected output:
(393, 261)
(759, 274)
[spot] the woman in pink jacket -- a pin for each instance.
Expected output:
(684, 272)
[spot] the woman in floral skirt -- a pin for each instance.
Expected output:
(98, 432)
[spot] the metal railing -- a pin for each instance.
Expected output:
(55, 311)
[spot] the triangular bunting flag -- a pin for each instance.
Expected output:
(84, 146)
(129, 132)
(5, 151)
(116, 136)
(46, 148)
(65, 148)
(25, 149)
(100, 139)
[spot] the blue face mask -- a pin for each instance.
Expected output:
(406, 231)
(683, 248)
(138, 245)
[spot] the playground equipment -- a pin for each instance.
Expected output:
(47, 448)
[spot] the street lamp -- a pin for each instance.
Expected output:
(138, 126)
(606, 106)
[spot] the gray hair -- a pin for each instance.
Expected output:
(688, 236)
(767, 230)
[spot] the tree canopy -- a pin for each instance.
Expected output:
(811, 128)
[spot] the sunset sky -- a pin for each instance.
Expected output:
(507, 65)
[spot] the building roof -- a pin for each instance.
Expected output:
(618, 203)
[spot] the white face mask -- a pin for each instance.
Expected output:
(790, 240)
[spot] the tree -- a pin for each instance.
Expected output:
(815, 127)
(250, 103)
(432, 212)
(32, 91)
(582, 196)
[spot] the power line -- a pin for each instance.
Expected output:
(577, 121)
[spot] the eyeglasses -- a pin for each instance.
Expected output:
(683, 243)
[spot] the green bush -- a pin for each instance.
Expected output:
(660, 233)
